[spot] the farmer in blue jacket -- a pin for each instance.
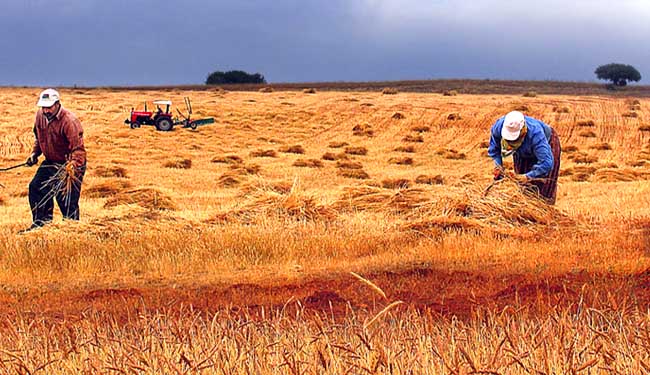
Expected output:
(535, 148)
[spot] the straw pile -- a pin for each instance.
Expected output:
(227, 159)
(332, 156)
(505, 210)
(398, 116)
(112, 171)
(369, 198)
(107, 188)
(295, 149)
(401, 161)
(262, 204)
(145, 197)
(413, 138)
(409, 149)
(179, 164)
(351, 150)
(396, 183)
(430, 180)
(337, 144)
(421, 129)
(389, 91)
(361, 130)
(309, 163)
(619, 175)
(264, 154)
(279, 187)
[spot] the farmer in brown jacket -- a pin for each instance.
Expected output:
(59, 137)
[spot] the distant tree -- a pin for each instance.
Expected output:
(233, 76)
(618, 74)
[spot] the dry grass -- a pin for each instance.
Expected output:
(398, 116)
(644, 128)
(244, 244)
(454, 117)
(561, 109)
(631, 114)
(569, 148)
(178, 164)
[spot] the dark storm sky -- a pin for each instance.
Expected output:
(147, 42)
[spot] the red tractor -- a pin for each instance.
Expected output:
(161, 119)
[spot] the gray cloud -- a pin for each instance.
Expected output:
(118, 42)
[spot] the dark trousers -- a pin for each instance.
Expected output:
(42, 194)
(546, 187)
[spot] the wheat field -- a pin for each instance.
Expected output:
(233, 249)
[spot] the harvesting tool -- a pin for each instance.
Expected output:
(162, 119)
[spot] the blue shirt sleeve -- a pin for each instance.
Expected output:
(542, 150)
(494, 150)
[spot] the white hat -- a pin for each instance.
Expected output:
(48, 98)
(512, 124)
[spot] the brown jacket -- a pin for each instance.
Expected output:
(61, 139)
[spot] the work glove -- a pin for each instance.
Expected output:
(31, 160)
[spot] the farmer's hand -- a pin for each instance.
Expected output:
(31, 160)
(498, 173)
(520, 178)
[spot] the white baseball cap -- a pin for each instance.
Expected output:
(47, 98)
(512, 125)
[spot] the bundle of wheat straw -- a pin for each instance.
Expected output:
(507, 210)
(145, 197)
(62, 181)
(368, 198)
(295, 205)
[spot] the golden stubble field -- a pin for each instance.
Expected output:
(230, 249)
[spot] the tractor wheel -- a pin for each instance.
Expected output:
(193, 125)
(164, 124)
(135, 125)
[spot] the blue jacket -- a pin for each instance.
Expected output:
(535, 146)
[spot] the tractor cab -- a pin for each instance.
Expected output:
(166, 103)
